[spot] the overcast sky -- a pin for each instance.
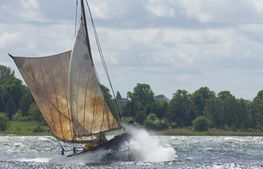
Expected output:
(169, 44)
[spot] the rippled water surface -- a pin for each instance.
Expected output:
(188, 152)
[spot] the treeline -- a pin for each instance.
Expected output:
(16, 101)
(201, 109)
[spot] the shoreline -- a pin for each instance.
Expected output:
(211, 132)
(169, 132)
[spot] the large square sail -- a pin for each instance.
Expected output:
(67, 91)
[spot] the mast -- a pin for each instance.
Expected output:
(86, 29)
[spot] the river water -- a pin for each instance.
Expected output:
(26, 152)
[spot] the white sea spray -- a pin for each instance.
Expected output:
(149, 148)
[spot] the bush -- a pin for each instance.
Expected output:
(173, 124)
(201, 123)
(127, 119)
(153, 122)
(140, 117)
(3, 121)
(163, 124)
(150, 124)
(38, 129)
(35, 113)
(19, 117)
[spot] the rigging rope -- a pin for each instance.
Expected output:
(76, 17)
(103, 59)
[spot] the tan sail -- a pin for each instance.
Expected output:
(67, 92)
(47, 79)
(90, 112)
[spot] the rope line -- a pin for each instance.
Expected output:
(103, 59)
(76, 17)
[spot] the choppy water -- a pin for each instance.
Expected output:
(183, 152)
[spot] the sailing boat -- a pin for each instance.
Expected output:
(67, 91)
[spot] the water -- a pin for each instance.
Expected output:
(24, 152)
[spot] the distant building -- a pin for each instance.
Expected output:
(161, 97)
(122, 102)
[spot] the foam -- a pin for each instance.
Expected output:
(149, 148)
(36, 160)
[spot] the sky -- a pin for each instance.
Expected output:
(168, 44)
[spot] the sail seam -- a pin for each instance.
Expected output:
(55, 89)
(103, 117)
(49, 103)
(66, 95)
(94, 107)
(84, 119)
(77, 101)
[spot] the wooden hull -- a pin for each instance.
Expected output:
(113, 144)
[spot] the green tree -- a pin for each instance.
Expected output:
(14, 88)
(35, 113)
(3, 121)
(141, 99)
(25, 102)
(128, 110)
(252, 121)
(140, 117)
(258, 108)
(110, 101)
(214, 112)
(243, 118)
(199, 99)
(179, 108)
(160, 108)
(201, 124)
(141, 96)
(10, 108)
(11, 91)
(5, 73)
(229, 106)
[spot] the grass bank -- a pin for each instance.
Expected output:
(33, 128)
(26, 128)
(211, 132)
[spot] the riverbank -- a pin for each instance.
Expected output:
(26, 128)
(211, 132)
(33, 128)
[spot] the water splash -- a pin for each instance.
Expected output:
(149, 148)
(140, 147)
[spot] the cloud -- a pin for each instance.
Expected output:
(19, 10)
(7, 38)
(170, 44)
(224, 11)
(30, 9)
(161, 8)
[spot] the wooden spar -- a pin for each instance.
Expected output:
(11, 55)
(86, 29)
